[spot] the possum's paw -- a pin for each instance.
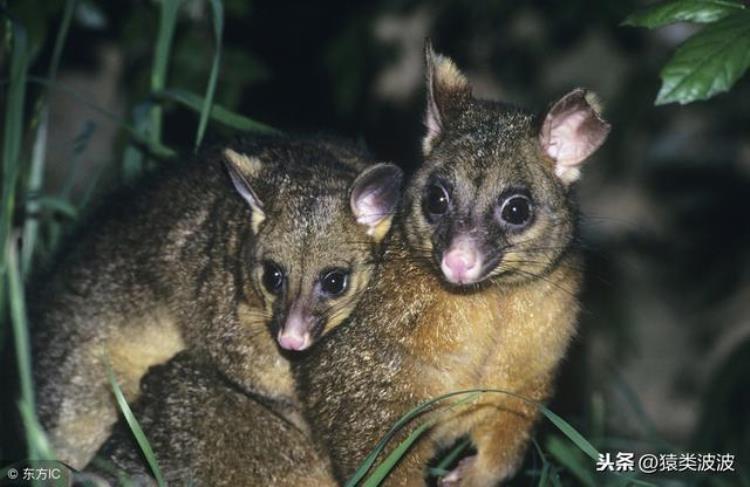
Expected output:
(455, 476)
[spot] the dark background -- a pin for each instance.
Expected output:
(663, 355)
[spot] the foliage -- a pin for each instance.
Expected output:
(210, 71)
(711, 61)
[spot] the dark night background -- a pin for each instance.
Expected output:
(662, 359)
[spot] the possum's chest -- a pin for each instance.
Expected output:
(499, 339)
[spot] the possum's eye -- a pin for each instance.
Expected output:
(334, 282)
(516, 210)
(273, 277)
(436, 200)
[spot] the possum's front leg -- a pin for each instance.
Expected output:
(501, 441)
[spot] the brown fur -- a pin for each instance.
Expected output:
(413, 337)
(205, 431)
(176, 264)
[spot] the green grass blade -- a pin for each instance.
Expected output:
(571, 460)
(20, 326)
(545, 472)
(13, 129)
(382, 471)
(167, 22)
(442, 467)
(39, 447)
(582, 443)
(133, 164)
(135, 428)
(34, 185)
(404, 420)
(394, 457)
(218, 21)
(155, 148)
(218, 113)
(39, 149)
(573, 435)
(55, 204)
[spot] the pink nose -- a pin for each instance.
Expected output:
(293, 341)
(295, 334)
(460, 264)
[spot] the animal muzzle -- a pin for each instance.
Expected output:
(298, 330)
(462, 262)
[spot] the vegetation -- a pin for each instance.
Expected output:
(197, 71)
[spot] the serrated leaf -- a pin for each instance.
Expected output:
(698, 11)
(709, 63)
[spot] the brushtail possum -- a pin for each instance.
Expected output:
(271, 234)
(205, 430)
(478, 288)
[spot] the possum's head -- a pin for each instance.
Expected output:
(491, 199)
(317, 224)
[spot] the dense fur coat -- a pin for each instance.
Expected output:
(205, 430)
(478, 289)
(179, 262)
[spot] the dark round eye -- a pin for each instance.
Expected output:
(334, 282)
(516, 210)
(436, 200)
(273, 277)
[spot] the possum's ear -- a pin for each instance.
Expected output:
(572, 130)
(447, 94)
(242, 169)
(374, 196)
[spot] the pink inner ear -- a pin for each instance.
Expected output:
(368, 210)
(432, 124)
(565, 142)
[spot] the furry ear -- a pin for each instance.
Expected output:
(242, 169)
(447, 92)
(374, 196)
(572, 130)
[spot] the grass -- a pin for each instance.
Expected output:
(571, 454)
(135, 428)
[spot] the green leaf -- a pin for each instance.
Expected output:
(218, 113)
(135, 428)
(218, 18)
(709, 63)
(699, 11)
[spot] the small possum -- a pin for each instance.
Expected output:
(274, 234)
(478, 289)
